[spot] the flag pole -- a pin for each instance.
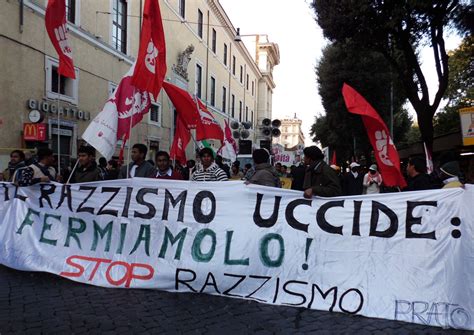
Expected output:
(72, 172)
(129, 139)
(59, 126)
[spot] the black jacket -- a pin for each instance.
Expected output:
(88, 174)
(353, 185)
(322, 180)
(418, 183)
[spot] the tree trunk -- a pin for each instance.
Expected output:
(425, 122)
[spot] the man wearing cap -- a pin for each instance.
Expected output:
(450, 175)
(353, 180)
(372, 180)
(319, 178)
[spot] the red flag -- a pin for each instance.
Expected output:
(385, 152)
(333, 159)
(194, 113)
(127, 104)
(229, 148)
(181, 139)
(209, 127)
(55, 20)
(184, 104)
(151, 62)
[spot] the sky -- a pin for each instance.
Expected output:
(291, 25)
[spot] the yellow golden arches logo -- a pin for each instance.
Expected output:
(30, 130)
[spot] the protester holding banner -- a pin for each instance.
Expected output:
(418, 180)
(320, 179)
(372, 180)
(208, 170)
(139, 167)
(17, 161)
(41, 171)
(163, 168)
(87, 170)
(265, 174)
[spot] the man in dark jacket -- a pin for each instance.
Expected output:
(87, 169)
(320, 179)
(417, 178)
(17, 161)
(139, 167)
(353, 181)
(163, 168)
(265, 174)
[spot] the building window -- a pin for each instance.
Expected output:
(247, 81)
(246, 113)
(66, 87)
(251, 120)
(154, 117)
(253, 87)
(224, 99)
(198, 81)
(119, 25)
(232, 105)
(200, 23)
(213, 91)
(182, 8)
(71, 10)
(225, 54)
(233, 65)
(112, 88)
(241, 74)
(214, 40)
(240, 111)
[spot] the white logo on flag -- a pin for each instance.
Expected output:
(150, 58)
(61, 36)
(382, 141)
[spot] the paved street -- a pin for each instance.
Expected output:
(43, 303)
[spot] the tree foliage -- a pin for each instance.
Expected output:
(460, 92)
(397, 29)
(369, 73)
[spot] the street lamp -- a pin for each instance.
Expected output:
(238, 37)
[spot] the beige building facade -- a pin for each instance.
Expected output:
(291, 133)
(202, 57)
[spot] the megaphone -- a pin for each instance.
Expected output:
(234, 125)
(266, 122)
(276, 132)
(247, 125)
(244, 133)
(266, 131)
(236, 134)
(276, 123)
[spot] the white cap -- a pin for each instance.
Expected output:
(354, 164)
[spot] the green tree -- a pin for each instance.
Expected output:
(369, 73)
(398, 29)
(460, 92)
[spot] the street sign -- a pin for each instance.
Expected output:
(34, 131)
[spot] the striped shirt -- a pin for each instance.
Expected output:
(212, 173)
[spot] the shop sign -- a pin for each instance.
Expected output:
(34, 131)
(52, 108)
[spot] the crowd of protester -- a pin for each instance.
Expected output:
(312, 176)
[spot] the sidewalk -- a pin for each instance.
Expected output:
(35, 303)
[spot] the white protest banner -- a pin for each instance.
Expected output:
(403, 256)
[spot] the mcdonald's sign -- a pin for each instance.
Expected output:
(34, 131)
